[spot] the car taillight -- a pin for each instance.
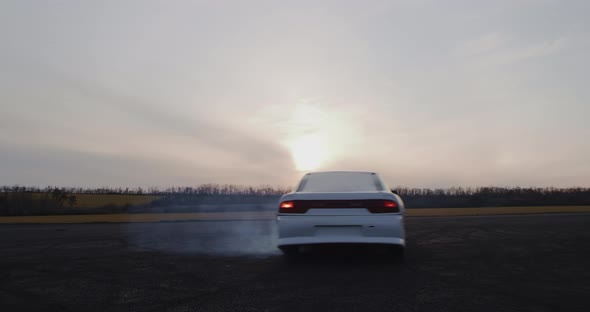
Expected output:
(389, 204)
(373, 205)
(287, 205)
(384, 206)
(292, 207)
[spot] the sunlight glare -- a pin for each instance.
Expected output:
(308, 152)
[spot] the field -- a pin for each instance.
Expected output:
(100, 200)
(39, 208)
(270, 215)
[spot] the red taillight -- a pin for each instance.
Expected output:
(384, 206)
(293, 207)
(287, 205)
(373, 205)
(389, 204)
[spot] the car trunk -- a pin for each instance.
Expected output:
(332, 204)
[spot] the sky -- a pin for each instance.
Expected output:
(169, 93)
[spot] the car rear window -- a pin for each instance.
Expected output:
(341, 182)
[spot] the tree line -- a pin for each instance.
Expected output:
(264, 190)
(18, 199)
(493, 196)
(209, 189)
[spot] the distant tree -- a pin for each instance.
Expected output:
(59, 197)
(72, 200)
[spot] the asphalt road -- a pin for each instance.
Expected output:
(493, 263)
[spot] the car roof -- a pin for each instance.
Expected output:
(340, 171)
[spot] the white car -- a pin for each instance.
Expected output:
(340, 207)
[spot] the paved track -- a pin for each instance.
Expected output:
(494, 263)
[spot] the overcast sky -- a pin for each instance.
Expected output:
(427, 93)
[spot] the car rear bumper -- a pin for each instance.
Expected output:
(371, 229)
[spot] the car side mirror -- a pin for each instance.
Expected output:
(394, 192)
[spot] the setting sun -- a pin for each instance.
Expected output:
(307, 138)
(308, 152)
(316, 135)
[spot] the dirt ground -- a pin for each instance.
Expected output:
(491, 263)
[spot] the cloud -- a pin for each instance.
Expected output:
(50, 165)
(482, 44)
(174, 93)
(111, 130)
(495, 49)
(527, 52)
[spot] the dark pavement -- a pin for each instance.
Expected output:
(493, 263)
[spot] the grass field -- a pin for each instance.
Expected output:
(269, 215)
(101, 200)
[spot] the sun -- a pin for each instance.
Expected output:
(308, 152)
(312, 135)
